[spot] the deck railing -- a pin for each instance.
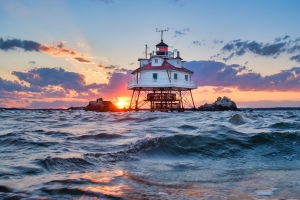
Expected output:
(161, 82)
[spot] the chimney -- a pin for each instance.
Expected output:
(178, 54)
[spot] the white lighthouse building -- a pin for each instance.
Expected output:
(162, 82)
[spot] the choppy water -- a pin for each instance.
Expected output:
(144, 155)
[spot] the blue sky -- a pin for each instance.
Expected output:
(114, 33)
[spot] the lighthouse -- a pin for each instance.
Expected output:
(161, 83)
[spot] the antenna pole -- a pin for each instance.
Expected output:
(161, 31)
(146, 52)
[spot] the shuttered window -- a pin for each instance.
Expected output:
(175, 76)
(154, 75)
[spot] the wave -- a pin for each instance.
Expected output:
(18, 139)
(286, 125)
(212, 145)
(70, 193)
(23, 170)
(187, 127)
(97, 136)
(127, 119)
(148, 119)
(5, 189)
(52, 133)
(64, 164)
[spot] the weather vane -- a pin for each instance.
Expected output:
(161, 32)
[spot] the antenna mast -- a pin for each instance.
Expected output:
(146, 52)
(161, 31)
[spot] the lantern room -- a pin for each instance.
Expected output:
(161, 48)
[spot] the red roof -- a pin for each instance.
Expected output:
(164, 66)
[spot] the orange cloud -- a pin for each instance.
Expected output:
(82, 60)
(28, 45)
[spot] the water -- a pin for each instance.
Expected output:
(144, 155)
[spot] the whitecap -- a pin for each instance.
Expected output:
(264, 192)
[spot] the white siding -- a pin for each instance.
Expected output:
(156, 61)
(163, 74)
(182, 63)
(149, 74)
(143, 62)
(175, 62)
(180, 75)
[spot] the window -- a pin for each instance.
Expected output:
(177, 61)
(186, 77)
(175, 76)
(156, 60)
(154, 75)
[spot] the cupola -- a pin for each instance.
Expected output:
(161, 48)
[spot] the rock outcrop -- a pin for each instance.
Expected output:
(222, 104)
(101, 106)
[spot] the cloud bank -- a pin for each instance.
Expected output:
(56, 83)
(211, 73)
(28, 45)
(279, 46)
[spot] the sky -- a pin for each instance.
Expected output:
(62, 53)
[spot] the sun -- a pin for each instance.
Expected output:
(121, 103)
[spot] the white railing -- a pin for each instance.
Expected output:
(168, 54)
(161, 82)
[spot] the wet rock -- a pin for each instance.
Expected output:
(101, 106)
(76, 108)
(221, 104)
(237, 119)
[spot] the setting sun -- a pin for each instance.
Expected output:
(121, 103)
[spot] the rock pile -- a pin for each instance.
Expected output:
(222, 104)
(101, 106)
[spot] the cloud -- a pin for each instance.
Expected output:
(218, 74)
(42, 77)
(82, 60)
(222, 90)
(296, 58)
(181, 32)
(282, 38)
(268, 104)
(101, 66)
(56, 82)
(106, 1)
(218, 41)
(295, 70)
(115, 68)
(229, 57)
(28, 45)
(12, 86)
(241, 47)
(177, 2)
(56, 104)
(32, 62)
(117, 85)
(197, 43)
(281, 45)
